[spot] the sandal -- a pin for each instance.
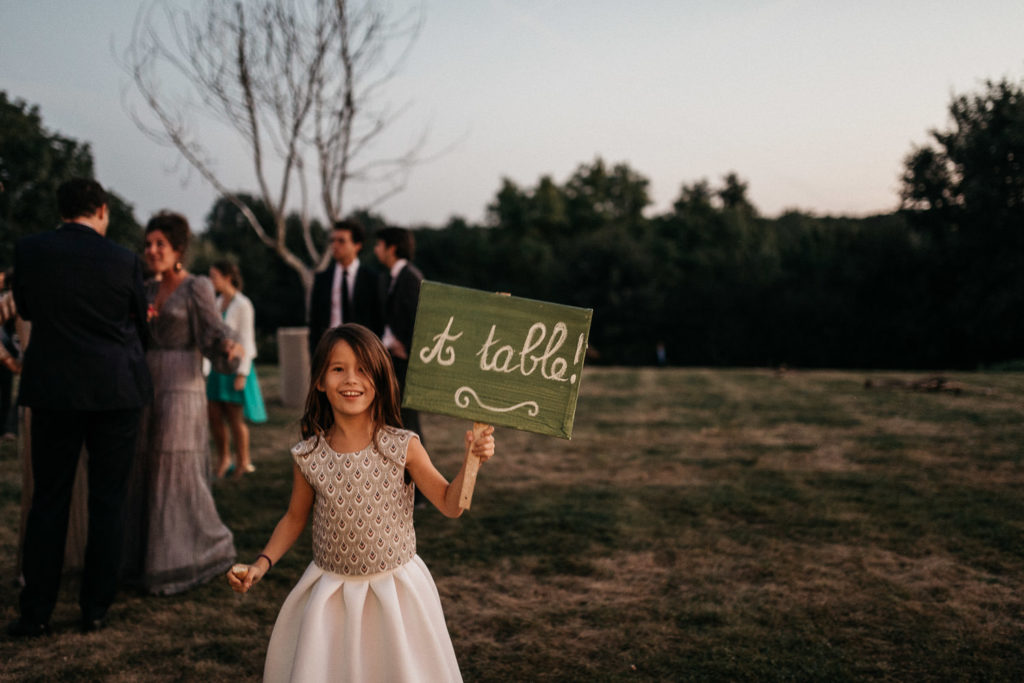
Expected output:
(248, 469)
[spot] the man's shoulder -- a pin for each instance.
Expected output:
(41, 245)
(325, 275)
(75, 238)
(411, 271)
(35, 242)
(118, 252)
(367, 271)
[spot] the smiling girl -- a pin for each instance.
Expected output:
(366, 609)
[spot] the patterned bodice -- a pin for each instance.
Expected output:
(362, 510)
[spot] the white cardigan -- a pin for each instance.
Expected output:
(241, 318)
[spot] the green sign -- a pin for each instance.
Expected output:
(502, 360)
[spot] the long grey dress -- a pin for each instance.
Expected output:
(175, 538)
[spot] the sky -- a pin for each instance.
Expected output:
(814, 104)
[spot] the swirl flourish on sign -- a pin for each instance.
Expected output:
(462, 400)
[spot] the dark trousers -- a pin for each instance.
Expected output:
(57, 440)
(410, 417)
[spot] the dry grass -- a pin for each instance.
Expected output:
(701, 525)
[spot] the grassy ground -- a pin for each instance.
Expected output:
(702, 525)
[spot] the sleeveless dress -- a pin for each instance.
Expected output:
(366, 609)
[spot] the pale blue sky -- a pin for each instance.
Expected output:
(814, 103)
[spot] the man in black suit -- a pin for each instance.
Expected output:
(394, 249)
(348, 292)
(85, 378)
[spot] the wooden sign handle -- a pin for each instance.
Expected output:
(472, 467)
(472, 462)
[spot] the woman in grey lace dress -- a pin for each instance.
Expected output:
(177, 540)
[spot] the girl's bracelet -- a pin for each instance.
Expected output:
(269, 561)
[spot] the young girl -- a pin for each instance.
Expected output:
(366, 609)
(231, 399)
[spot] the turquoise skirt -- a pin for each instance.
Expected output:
(221, 388)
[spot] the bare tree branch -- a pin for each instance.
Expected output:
(295, 80)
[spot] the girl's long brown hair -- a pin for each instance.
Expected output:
(318, 417)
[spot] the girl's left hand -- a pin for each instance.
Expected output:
(240, 382)
(483, 446)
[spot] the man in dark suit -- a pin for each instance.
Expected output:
(348, 291)
(394, 249)
(85, 378)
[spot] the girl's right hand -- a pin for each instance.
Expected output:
(242, 577)
(482, 446)
(233, 349)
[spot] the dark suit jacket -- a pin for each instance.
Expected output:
(84, 296)
(402, 299)
(367, 302)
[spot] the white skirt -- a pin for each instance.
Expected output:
(381, 627)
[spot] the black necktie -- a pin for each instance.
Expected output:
(345, 312)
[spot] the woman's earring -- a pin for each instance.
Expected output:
(178, 267)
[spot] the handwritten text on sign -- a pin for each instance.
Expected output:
(504, 360)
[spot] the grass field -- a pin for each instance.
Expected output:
(702, 525)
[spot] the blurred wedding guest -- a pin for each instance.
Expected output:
(394, 249)
(7, 306)
(234, 398)
(347, 291)
(9, 367)
(74, 548)
(84, 297)
(177, 540)
(9, 361)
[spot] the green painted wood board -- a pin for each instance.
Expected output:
(503, 360)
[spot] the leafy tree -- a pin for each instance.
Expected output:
(123, 228)
(617, 270)
(596, 196)
(734, 195)
(971, 178)
(695, 199)
(510, 209)
(540, 213)
(964, 193)
(550, 212)
(720, 284)
(273, 287)
(33, 163)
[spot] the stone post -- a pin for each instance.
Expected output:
(293, 360)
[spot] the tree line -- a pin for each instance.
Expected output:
(938, 283)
